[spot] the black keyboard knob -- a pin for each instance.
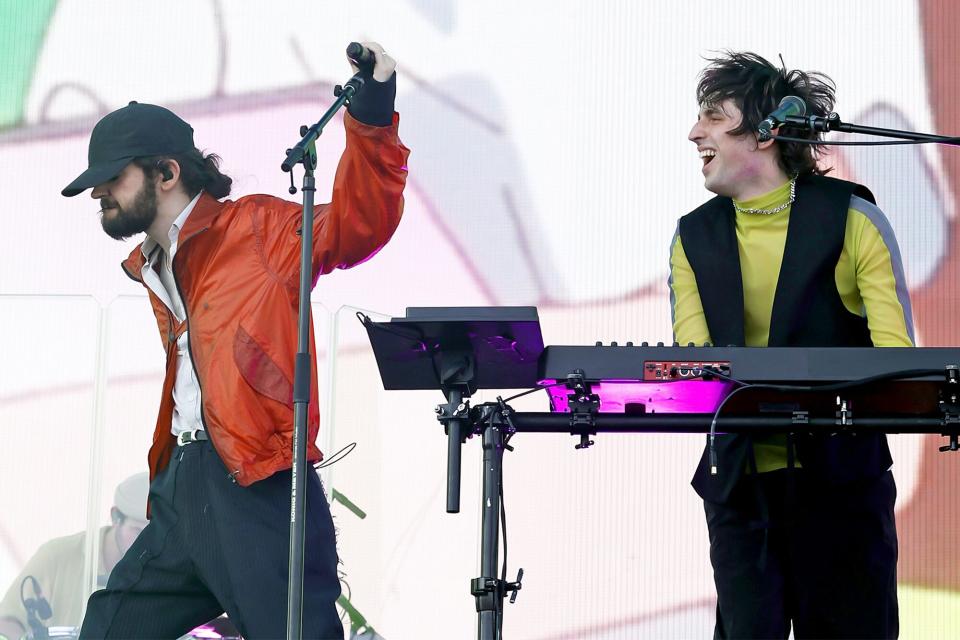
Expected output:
(613, 344)
(644, 344)
(599, 343)
(659, 344)
(629, 344)
(676, 344)
(691, 344)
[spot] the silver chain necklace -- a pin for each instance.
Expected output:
(770, 212)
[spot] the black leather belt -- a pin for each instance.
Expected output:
(186, 437)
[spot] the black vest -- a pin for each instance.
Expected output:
(807, 312)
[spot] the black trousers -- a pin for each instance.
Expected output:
(787, 549)
(213, 546)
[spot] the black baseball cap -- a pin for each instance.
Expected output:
(133, 131)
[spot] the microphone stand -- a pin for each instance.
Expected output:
(305, 153)
(832, 122)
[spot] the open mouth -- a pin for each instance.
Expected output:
(707, 156)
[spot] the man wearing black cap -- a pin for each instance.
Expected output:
(222, 278)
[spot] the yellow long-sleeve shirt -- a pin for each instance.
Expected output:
(869, 278)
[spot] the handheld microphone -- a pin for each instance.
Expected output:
(789, 106)
(363, 57)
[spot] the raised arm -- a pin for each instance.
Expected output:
(368, 188)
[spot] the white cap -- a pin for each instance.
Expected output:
(130, 497)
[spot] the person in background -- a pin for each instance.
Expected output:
(53, 577)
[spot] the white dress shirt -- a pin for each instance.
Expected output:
(186, 388)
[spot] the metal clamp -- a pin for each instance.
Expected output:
(445, 412)
(949, 405)
(844, 414)
(583, 405)
(488, 591)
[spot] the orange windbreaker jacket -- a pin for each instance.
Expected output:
(237, 269)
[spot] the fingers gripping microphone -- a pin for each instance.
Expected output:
(364, 59)
(789, 106)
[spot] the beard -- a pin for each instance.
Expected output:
(136, 218)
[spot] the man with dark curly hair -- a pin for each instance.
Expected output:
(801, 528)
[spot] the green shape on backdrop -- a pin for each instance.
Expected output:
(23, 26)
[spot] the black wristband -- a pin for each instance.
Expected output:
(373, 103)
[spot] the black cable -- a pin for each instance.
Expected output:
(893, 375)
(503, 524)
(864, 143)
(342, 575)
(417, 337)
(365, 320)
(497, 594)
(709, 371)
(501, 406)
(535, 389)
(904, 374)
(334, 459)
(503, 567)
(23, 583)
(38, 608)
(712, 451)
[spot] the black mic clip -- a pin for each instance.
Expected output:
(354, 84)
(819, 124)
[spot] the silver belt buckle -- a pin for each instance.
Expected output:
(185, 437)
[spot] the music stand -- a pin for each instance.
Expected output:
(460, 350)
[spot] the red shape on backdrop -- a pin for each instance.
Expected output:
(928, 524)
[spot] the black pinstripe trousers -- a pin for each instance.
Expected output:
(213, 546)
